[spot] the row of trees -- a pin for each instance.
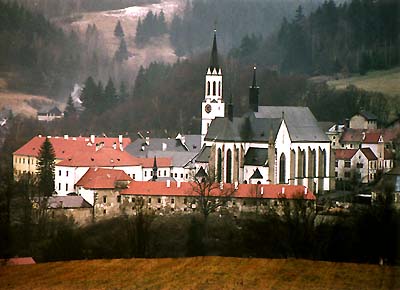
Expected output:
(153, 25)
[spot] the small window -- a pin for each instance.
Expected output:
(347, 164)
(159, 200)
(151, 173)
(133, 199)
(66, 173)
(118, 198)
(23, 160)
(104, 199)
(187, 176)
(336, 163)
(181, 175)
(336, 174)
(66, 187)
(172, 175)
(172, 200)
(165, 172)
(59, 186)
(133, 176)
(233, 202)
(176, 174)
(185, 200)
(59, 172)
(244, 202)
(104, 211)
(145, 173)
(149, 200)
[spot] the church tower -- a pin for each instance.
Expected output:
(213, 105)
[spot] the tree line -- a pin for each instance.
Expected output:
(153, 25)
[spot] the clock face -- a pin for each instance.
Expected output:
(208, 108)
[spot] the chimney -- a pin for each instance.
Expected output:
(178, 184)
(120, 139)
(236, 185)
(121, 148)
(114, 145)
(164, 146)
(48, 137)
(168, 183)
(92, 139)
(40, 136)
(66, 137)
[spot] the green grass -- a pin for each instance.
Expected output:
(387, 82)
(200, 273)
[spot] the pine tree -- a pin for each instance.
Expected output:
(110, 95)
(123, 92)
(122, 53)
(45, 168)
(118, 31)
(70, 110)
(88, 96)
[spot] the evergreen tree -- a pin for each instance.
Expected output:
(118, 31)
(122, 53)
(70, 110)
(89, 92)
(123, 92)
(99, 97)
(45, 168)
(161, 23)
(110, 95)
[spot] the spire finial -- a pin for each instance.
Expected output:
(254, 76)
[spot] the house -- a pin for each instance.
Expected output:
(356, 164)
(48, 115)
(363, 120)
(25, 158)
(389, 184)
(72, 206)
(284, 144)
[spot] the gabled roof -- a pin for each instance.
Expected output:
(301, 123)
(204, 155)
(256, 156)
(66, 146)
(161, 162)
(368, 115)
(201, 173)
(243, 129)
(344, 154)
(179, 158)
(20, 261)
(256, 175)
(268, 191)
(368, 153)
(104, 157)
(74, 201)
(102, 178)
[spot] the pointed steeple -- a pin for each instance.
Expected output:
(254, 77)
(155, 169)
(253, 93)
(214, 53)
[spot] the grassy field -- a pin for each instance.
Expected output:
(387, 82)
(199, 273)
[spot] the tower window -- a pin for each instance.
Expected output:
(219, 88)
(208, 88)
(214, 88)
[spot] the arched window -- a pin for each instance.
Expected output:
(229, 166)
(282, 169)
(219, 88)
(214, 88)
(208, 88)
(219, 165)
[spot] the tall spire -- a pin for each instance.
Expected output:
(214, 53)
(253, 93)
(155, 169)
(254, 76)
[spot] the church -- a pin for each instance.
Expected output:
(266, 145)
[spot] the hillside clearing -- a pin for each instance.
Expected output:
(387, 82)
(199, 273)
(24, 104)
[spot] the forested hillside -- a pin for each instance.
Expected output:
(355, 36)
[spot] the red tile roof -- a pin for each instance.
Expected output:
(21, 261)
(369, 154)
(161, 162)
(345, 154)
(370, 136)
(65, 147)
(352, 135)
(96, 178)
(270, 191)
(105, 157)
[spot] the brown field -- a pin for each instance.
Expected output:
(21, 103)
(200, 273)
